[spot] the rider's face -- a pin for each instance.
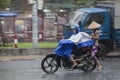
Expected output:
(74, 30)
(97, 31)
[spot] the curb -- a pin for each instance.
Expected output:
(25, 51)
(35, 57)
(26, 57)
(113, 56)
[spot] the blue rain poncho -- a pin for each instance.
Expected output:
(65, 46)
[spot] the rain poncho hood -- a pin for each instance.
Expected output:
(76, 27)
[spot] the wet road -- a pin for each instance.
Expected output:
(31, 70)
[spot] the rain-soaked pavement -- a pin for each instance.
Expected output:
(31, 70)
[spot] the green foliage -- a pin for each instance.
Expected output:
(85, 2)
(70, 3)
(4, 3)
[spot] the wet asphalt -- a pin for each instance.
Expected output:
(31, 70)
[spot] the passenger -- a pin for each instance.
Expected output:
(95, 35)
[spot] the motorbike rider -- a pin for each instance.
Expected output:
(81, 39)
(74, 37)
(95, 35)
(65, 46)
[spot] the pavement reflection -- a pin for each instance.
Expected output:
(96, 75)
(31, 70)
(82, 76)
(73, 76)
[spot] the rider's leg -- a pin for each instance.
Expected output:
(99, 65)
(74, 62)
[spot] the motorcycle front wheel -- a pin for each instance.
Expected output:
(49, 64)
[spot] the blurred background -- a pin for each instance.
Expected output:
(51, 18)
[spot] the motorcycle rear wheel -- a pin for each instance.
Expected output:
(89, 64)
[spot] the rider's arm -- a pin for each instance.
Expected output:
(94, 37)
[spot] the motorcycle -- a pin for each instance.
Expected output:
(52, 62)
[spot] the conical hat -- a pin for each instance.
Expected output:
(94, 25)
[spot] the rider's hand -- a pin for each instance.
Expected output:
(90, 37)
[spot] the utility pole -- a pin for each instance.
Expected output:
(36, 5)
(34, 22)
